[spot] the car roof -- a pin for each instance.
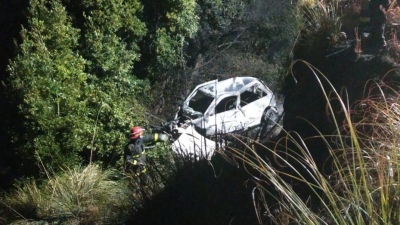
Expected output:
(230, 85)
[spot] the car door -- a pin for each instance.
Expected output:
(253, 102)
(224, 116)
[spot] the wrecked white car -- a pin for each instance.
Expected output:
(193, 145)
(216, 108)
(229, 106)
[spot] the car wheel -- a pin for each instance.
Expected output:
(268, 123)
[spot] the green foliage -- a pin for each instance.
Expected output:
(221, 15)
(182, 18)
(112, 31)
(111, 34)
(171, 24)
(322, 25)
(76, 89)
(181, 24)
(49, 77)
(80, 195)
(161, 170)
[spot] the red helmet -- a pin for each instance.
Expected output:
(136, 132)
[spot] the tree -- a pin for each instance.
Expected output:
(75, 88)
(112, 30)
(49, 79)
(171, 24)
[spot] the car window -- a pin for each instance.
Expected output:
(251, 94)
(200, 102)
(226, 104)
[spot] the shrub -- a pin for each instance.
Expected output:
(80, 195)
(74, 85)
(321, 28)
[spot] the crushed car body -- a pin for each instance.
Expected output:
(216, 108)
(193, 145)
(231, 105)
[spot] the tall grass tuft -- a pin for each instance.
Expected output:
(86, 195)
(363, 187)
(376, 162)
(322, 22)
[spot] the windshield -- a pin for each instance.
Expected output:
(200, 102)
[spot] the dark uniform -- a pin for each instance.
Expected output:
(135, 154)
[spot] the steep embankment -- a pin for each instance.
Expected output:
(347, 71)
(199, 197)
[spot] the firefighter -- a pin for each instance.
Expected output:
(135, 153)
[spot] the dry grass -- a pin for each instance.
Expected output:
(77, 196)
(363, 188)
(393, 13)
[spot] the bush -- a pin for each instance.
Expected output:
(322, 23)
(80, 195)
(74, 85)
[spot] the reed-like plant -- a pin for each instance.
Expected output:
(86, 195)
(377, 120)
(322, 22)
(363, 187)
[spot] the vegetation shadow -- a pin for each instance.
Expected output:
(203, 192)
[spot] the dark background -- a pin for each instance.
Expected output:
(12, 17)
